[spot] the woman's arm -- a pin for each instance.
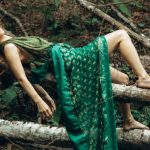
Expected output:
(12, 57)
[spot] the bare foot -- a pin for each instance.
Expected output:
(131, 124)
(143, 83)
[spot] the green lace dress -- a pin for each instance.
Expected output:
(84, 88)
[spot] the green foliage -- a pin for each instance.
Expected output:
(54, 26)
(47, 11)
(124, 9)
(137, 4)
(141, 24)
(13, 117)
(95, 21)
(57, 2)
(56, 119)
(51, 23)
(9, 95)
(142, 114)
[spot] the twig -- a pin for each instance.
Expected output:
(103, 20)
(46, 146)
(125, 19)
(5, 12)
(15, 144)
(41, 146)
(110, 4)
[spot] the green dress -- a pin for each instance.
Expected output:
(84, 88)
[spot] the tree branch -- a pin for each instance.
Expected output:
(6, 13)
(123, 93)
(125, 19)
(142, 39)
(110, 4)
(134, 139)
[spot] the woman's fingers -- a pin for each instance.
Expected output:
(45, 110)
(43, 115)
(49, 113)
(50, 102)
(53, 104)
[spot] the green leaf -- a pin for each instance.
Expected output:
(9, 95)
(142, 24)
(55, 120)
(57, 2)
(123, 8)
(138, 4)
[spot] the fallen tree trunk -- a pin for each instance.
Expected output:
(134, 140)
(54, 136)
(32, 132)
(123, 93)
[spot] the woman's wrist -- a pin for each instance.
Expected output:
(37, 99)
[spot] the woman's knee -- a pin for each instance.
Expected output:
(115, 38)
(123, 34)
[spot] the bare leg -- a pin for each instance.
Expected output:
(121, 39)
(129, 121)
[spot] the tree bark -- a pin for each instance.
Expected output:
(88, 5)
(123, 93)
(31, 131)
(56, 136)
(134, 140)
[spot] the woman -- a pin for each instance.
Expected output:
(83, 81)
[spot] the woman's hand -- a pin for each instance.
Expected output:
(50, 102)
(44, 109)
(45, 96)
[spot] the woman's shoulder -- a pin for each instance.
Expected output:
(5, 40)
(5, 44)
(9, 46)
